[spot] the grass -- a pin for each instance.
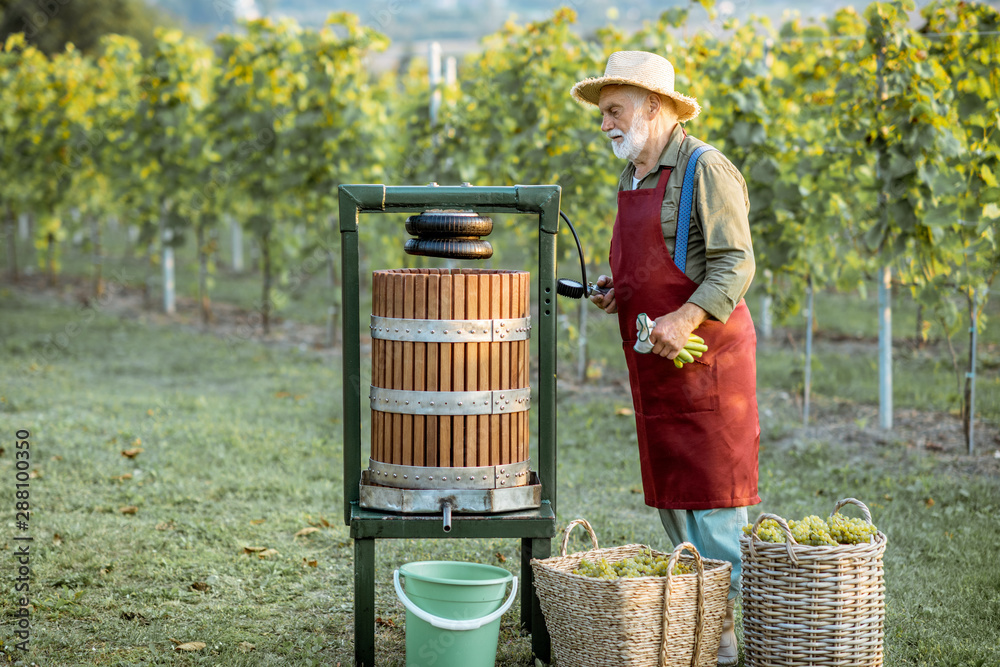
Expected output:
(241, 448)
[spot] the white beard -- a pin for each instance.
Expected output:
(632, 142)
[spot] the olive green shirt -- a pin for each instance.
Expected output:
(720, 252)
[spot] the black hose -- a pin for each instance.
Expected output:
(579, 249)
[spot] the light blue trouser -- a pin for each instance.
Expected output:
(715, 533)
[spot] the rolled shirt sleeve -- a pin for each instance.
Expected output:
(722, 209)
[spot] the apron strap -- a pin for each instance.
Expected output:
(684, 211)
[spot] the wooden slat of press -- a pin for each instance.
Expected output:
(525, 361)
(388, 288)
(458, 369)
(408, 313)
(486, 443)
(419, 368)
(515, 365)
(506, 295)
(378, 366)
(431, 443)
(445, 311)
(471, 369)
(517, 426)
(494, 370)
(396, 434)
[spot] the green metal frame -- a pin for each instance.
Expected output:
(536, 527)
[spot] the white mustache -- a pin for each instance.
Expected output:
(614, 134)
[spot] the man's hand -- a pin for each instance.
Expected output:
(607, 301)
(673, 329)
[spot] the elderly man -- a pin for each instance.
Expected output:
(681, 253)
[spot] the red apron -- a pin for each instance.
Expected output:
(697, 426)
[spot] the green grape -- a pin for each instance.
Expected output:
(643, 564)
(815, 531)
(850, 531)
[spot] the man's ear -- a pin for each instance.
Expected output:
(653, 104)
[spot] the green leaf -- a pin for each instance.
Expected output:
(987, 175)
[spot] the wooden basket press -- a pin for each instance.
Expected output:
(420, 370)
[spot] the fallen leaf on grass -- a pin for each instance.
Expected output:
(624, 412)
(929, 502)
(262, 552)
(187, 646)
(123, 477)
(319, 522)
(282, 394)
(257, 522)
(131, 453)
(165, 525)
(246, 647)
(310, 562)
(501, 557)
(385, 622)
(201, 586)
(35, 474)
(934, 447)
(128, 509)
(56, 539)
(56, 457)
(307, 531)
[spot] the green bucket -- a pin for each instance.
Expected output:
(453, 612)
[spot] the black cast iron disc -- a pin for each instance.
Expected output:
(450, 248)
(447, 224)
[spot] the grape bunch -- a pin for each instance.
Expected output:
(850, 531)
(645, 564)
(815, 531)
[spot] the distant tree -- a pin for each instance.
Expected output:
(51, 25)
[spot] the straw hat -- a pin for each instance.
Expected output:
(642, 69)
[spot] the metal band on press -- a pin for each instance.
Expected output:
(455, 403)
(450, 331)
(421, 477)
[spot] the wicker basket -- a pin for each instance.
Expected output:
(674, 620)
(812, 605)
